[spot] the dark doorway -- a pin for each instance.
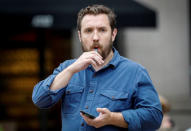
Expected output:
(28, 55)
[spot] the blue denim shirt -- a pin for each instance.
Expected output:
(121, 86)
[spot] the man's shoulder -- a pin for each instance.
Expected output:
(128, 62)
(129, 65)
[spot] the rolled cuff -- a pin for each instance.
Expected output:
(130, 116)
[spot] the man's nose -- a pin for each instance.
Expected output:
(95, 36)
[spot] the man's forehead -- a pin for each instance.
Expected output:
(100, 19)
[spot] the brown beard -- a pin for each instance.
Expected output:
(104, 54)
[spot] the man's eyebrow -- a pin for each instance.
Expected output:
(88, 28)
(99, 27)
(103, 27)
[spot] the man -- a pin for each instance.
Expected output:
(116, 90)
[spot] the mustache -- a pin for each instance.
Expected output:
(96, 44)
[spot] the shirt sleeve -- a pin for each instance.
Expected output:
(42, 96)
(147, 112)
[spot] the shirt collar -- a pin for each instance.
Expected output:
(115, 59)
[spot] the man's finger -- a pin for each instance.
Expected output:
(98, 60)
(102, 110)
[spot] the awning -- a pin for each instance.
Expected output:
(62, 14)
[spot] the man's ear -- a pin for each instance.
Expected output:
(114, 34)
(79, 35)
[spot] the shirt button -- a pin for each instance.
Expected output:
(67, 92)
(86, 107)
(94, 75)
(91, 91)
(82, 124)
(113, 97)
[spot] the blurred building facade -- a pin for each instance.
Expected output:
(27, 56)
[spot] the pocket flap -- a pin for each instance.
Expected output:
(73, 89)
(113, 94)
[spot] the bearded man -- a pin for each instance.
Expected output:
(115, 90)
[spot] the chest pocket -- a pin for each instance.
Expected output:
(72, 99)
(114, 100)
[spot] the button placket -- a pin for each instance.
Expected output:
(90, 94)
(91, 91)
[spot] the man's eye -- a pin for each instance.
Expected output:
(102, 30)
(88, 30)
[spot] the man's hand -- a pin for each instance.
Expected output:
(106, 117)
(87, 58)
(103, 119)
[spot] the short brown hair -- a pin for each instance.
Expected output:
(96, 10)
